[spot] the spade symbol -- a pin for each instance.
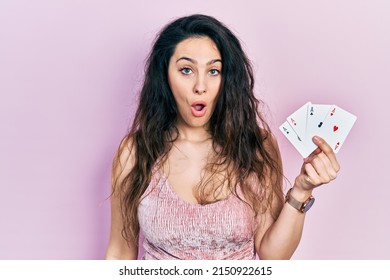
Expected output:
(320, 124)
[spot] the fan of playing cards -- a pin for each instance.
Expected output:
(327, 121)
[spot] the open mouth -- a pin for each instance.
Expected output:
(198, 109)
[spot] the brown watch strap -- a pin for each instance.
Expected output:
(295, 203)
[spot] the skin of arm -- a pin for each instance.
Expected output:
(278, 239)
(118, 248)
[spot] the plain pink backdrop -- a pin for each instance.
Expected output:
(69, 75)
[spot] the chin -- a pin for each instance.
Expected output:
(198, 123)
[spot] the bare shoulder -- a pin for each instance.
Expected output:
(124, 160)
(270, 143)
(126, 146)
(118, 247)
(274, 170)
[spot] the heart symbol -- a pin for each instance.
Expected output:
(335, 128)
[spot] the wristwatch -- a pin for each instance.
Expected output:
(300, 206)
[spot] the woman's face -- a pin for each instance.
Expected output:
(194, 76)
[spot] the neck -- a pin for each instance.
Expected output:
(193, 134)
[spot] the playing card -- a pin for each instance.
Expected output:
(287, 130)
(327, 121)
(297, 120)
(316, 115)
(336, 127)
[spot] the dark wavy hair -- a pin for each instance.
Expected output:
(241, 138)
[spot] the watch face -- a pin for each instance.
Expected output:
(308, 204)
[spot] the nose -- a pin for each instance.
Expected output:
(200, 85)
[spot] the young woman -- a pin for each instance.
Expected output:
(199, 173)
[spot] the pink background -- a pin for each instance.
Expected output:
(69, 72)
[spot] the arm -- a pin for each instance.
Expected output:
(118, 248)
(278, 239)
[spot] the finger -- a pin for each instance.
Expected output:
(312, 176)
(329, 168)
(324, 168)
(320, 168)
(328, 151)
(312, 155)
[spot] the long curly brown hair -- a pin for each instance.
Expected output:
(241, 138)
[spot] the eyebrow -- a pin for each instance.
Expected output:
(195, 62)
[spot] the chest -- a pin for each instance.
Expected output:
(180, 228)
(186, 169)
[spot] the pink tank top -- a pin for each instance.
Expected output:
(176, 229)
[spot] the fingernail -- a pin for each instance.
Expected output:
(316, 139)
